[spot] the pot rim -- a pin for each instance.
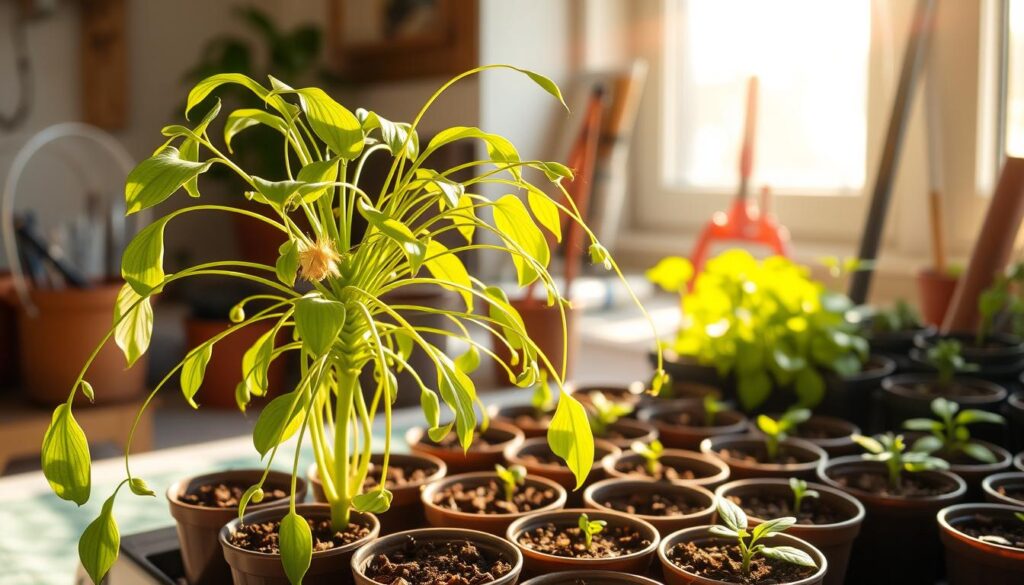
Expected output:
(608, 464)
(1003, 460)
(1011, 344)
(991, 482)
(841, 441)
(1018, 461)
(588, 496)
(415, 437)
(944, 524)
(513, 453)
(517, 527)
(285, 477)
(997, 393)
(428, 491)
(635, 390)
(708, 447)
(315, 508)
(313, 473)
(1016, 399)
(888, 368)
(679, 535)
(960, 491)
(650, 413)
(857, 518)
(578, 576)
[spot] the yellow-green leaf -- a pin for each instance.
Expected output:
(546, 212)
(513, 221)
(65, 457)
(447, 267)
(142, 264)
(335, 125)
(159, 176)
(99, 544)
(318, 321)
(278, 421)
(296, 543)
(193, 371)
(570, 438)
(133, 323)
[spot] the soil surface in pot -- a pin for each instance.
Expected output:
(951, 390)
(812, 511)
(690, 419)
(451, 441)
(262, 536)
(652, 504)
(547, 457)
(399, 475)
(489, 498)
(760, 456)
(878, 483)
(225, 495)
(430, 563)
(663, 472)
(724, 563)
(1004, 531)
(532, 419)
(1014, 491)
(812, 432)
(613, 541)
(613, 433)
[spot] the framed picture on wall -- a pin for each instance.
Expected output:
(387, 40)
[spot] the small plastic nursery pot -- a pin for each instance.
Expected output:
(442, 517)
(328, 567)
(1000, 354)
(590, 578)
(1014, 412)
(708, 471)
(667, 418)
(633, 394)
(199, 526)
(972, 561)
(597, 495)
(405, 512)
(833, 435)
(528, 452)
(486, 451)
(623, 432)
(853, 397)
(538, 563)
(899, 541)
(1005, 488)
(897, 342)
(491, 546)
(902, 397)
(974, 472)
(808, 457)
(699, 535)
(835, 540)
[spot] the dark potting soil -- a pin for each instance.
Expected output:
(810, 431)
(399, 476)
(812, 510)
(689, 419)
(760, 456)
(262, 536)
(664, 472)
(451, 440)
(952, 390)
(1004, 531)
(910, 487)
(225, 495)
(1015, 491)
(613, 541)
(436, 563)
(489, 498)
(724, 563)
(653, 504)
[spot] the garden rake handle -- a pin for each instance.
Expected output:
(749, 136)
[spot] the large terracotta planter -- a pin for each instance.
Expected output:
(709, 471)
(935, 290)
(676, 435)
(224, 371)
(482, 456)
(997, 486)
(8, 331)
(809, 456)
(598, 494)
(442, 517)
(524, 454)
(971, 561)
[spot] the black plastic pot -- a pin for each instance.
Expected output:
(1000, 358)
(855, 398)
(675, 435)
(901, 400)
(896, 345)
(971, 561)
(974, 472)
(809, 457)
(1018, 461)
(590, 578)
(994, 486)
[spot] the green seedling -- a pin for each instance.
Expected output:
(511, 478)
(892, 450)
(800, 492)
(945, 357)
(543, 400)
(1002, 302)
(902, 317)
(713, 406)
(606, 412)
(949, 435)
(776, 431)
(651, 454)
(735, 527)
(589, 528)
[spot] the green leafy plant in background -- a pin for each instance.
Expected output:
(511, 478)
(800, 493)
(945, 357)
(763, 321)
(892, 450)
(651, 453)
(605, 413)
(901, 317)
(712, 406)
(776, 431)
(1001, 302)
(734, 527)
(949, 434)
(543, 400)
(326, 289)
(590, 528)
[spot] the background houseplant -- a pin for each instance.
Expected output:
(341, 326)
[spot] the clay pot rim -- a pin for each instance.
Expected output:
(888, 368)
(1016, 399)
(991, 482)
(634, 425)
(416, 435)
(178, 486)
(833, 442)
(995, 392)
(710, 445)
(428, 491)
(513, 453)
(1009, 344)
(572, 577)
(1018, 461)
(313, 473)
(651, 413)
(609, 462)
(306, 510)
(385, 543)
(838, 462)
(947, 527)
(687, 533)
(635, 391)
(517, 527)
(1003, 460)
(588, 496)
(857, 518)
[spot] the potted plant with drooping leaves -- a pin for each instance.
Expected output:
(984, 543)
(608, 421)
(683, 424)
(736, 552)
(901, 491)
(652, 461)
(772, 453)
(342, 325)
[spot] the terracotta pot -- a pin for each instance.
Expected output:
(901, 402)
(59, 339)
(970, 561)
(899, 533)
(544, 326)
(634, 394)
(975, 472)
(596, 495)
(405, 512)
(538, 563)
(1012, 479)
(224, 371)
(329, 567)
(709, 471)
(935, 290)
(523, 417)
(560, 473)
(856, 397)
(1018, 461)
(493, 546)
(679, 436)
(838, 434)
(630, 431)
(675, 575)
(199, 526)
(835, 541)
(480, 457)
(897, 343)
(441, 517)
(809, 455)
(8, 331)
(1013, 410)
(590, 578)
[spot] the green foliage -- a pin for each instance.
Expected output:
(1002, 302)
(606, 412)
(734, 526)
(589, 528)
(776, 431)
(901, 317)
(712, 406)
(511, 478)
(766, 322)
(949, 434)
(945, 357)
(543, 401)
(65, 457)
(800, 493)
(892, 450)
(651, 454)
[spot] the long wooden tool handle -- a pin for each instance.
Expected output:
(749, 136)
(938, 244)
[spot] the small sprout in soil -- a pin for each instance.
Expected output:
(945, 357)
(712, 406)
(543, 400)
(735, 520)
(651, 454)
(800, 492)
(949, 435)
(606, 412)
(776, 431)
(901, 317)
(510, 477)
(892, 450)
(589, 528)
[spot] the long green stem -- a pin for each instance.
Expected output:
(348, 384)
